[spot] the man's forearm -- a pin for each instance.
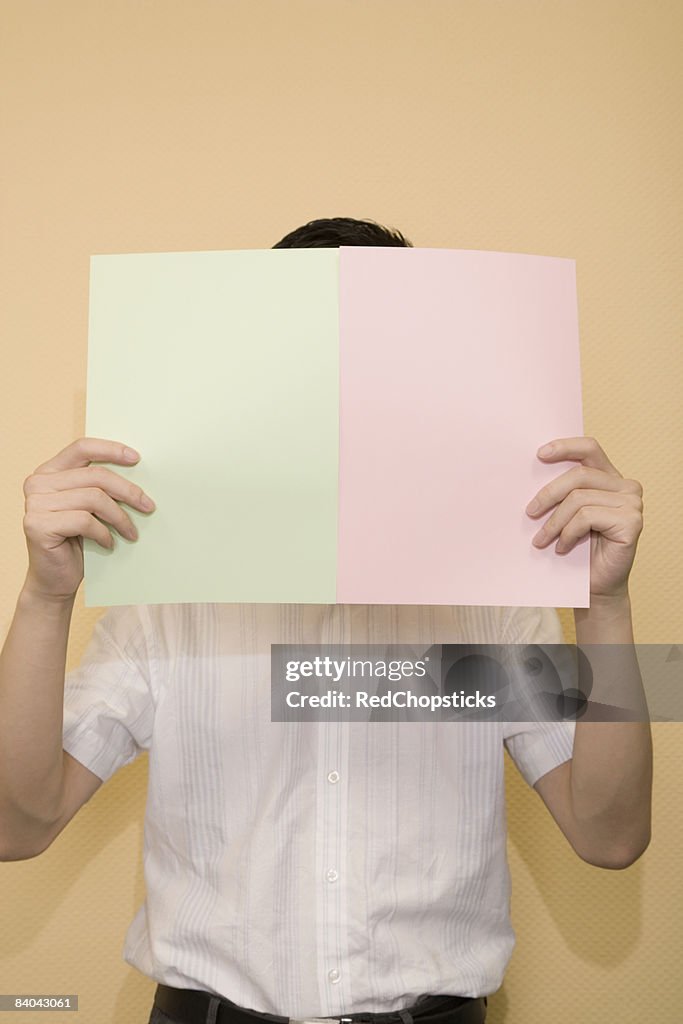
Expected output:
(32, 665)
(611, 772)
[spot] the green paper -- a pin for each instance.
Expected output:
(221, 369)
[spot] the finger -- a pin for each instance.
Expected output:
(88, 449)
(90, 476)
(49, 529)
(572, 504)
(90, 499)
(583, 449)
(579, 477)
(622, 526)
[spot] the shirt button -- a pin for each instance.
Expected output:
(333, 777)
(332, 875)
(334, 976)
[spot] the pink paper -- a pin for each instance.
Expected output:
(455, 366)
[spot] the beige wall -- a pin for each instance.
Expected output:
(539, 126)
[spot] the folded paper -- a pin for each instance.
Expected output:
(354, 425)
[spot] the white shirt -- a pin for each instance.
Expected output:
(307, 869)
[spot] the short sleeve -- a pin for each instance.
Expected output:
(108, 704)
(537, 747)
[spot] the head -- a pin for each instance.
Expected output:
(331, 232)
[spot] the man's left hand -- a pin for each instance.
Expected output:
(594, 498)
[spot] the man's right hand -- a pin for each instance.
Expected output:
(67, 499)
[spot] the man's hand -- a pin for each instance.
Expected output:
(594, 498)
(69, 498)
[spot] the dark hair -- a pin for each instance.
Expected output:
(330, 232)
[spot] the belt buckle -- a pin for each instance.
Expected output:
(313, 1020)
(320, 1020)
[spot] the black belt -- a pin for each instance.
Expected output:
(191, 1006)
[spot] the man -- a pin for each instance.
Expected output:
(302, 870)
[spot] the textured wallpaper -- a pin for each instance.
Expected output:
(523, 126)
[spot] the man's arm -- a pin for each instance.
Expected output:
(67, 498)
(41, 786)
(601, 799)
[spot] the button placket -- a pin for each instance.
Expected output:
(330, 842)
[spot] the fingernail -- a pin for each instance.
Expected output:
(131, 455)
(147, 503)
(547, 449)
(533, 506)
